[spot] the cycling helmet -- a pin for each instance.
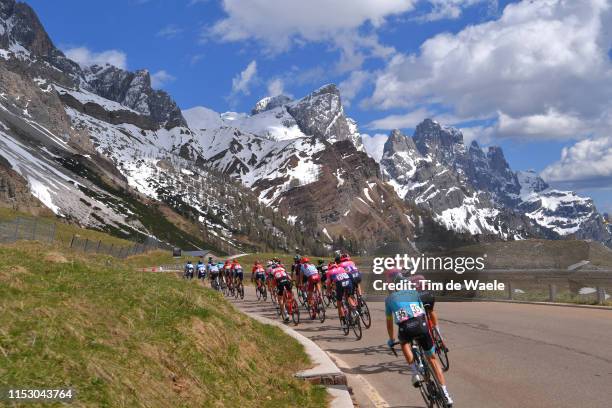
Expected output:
(345, 257)
(296, 258)
(337, 259)
(304, 260)
(321, 262)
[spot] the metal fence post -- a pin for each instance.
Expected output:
(98, 247)
(72, 241)
(510, 291)
(552, 292)
(86, 243)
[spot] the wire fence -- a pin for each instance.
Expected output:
(44, 231)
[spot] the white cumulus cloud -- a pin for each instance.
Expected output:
(85, 57)
(541, 65)
(374, 144)
(161, 78)
(242, 82)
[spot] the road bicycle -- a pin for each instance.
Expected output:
(350, 318)
(430, 387)
(316, 308)
(441, 349)
(364, 311)
(214, 282)
(290, 307)
(302, 296)
(261, 291)
(238, 289)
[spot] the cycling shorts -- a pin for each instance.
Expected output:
(416, 329)
(238, 274)
(260, 276)
(428, 299)
(356, 277)
(312, 281)
(281, 285)
(344, 287)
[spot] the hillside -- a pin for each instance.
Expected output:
(126, 338)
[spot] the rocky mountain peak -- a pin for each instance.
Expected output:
(270, 102)
(497, 161)
(321, 114)
(133, 89)
(398, 142)
(21, 25)
(431, 138)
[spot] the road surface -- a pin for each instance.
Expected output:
(502, 355)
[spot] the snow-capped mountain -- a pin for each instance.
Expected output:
(469, 189)
(99, 146)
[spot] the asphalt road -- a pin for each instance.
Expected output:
(501, 355)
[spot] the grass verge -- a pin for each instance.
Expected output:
(128, 339)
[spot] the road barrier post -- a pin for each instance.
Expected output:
(552, 292)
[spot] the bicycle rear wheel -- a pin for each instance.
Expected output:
(441, 351)
(356, 324)
(321, 311)
(258, 293)
(265, 294)
(295, 313)
(364, 313)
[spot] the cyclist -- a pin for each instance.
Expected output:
(311, 276)
(282, 282)
(343, 282)
(428, 299)
(237, 271)
(227, 271)
(189, 270)
(258, 273)
(213, 270)
(201, 269)
(350, 268)
(405, 309)
(295, 267)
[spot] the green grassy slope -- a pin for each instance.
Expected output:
(129, 339)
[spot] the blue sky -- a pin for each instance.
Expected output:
(533, 78)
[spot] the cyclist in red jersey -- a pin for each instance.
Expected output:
(258, 273)
(282, 283)
(227, 271)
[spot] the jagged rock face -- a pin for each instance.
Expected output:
(133, 89)
(270, 102)
(470, 190)
(321, 114)
(350, 199)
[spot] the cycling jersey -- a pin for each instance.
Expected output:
(201, 269)
(282, 279)
(213, 269)
(311, 275)
(260, 272)
(350, 267)
(309, 270)
(238, 273)
(342, 280)
(408, 312)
